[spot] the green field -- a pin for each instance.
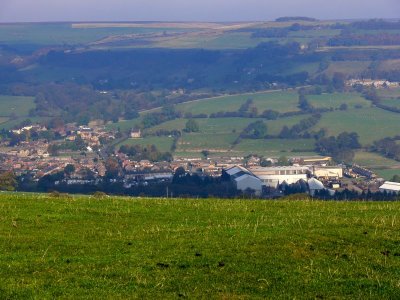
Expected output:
(163, 143)
(125, 125)
(228, 125)
(335, 100)
(371, 124)
(277, 147)
(166, 249)
(370, 159)
(3, 120)
(354, 68)
(282, 101)
(15, 105)
(16, 122)
(64, 33)
(196, 142)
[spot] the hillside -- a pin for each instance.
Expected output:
(158, 248)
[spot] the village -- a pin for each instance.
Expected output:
(84, 156)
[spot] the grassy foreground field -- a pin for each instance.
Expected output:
(158, 248)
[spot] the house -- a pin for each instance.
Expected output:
(136, 134)
(390, 187)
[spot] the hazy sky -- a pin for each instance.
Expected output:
(192, 10)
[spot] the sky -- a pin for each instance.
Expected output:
(192, 10)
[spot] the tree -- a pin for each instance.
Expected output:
(304, 104)
(395, 178)
(191, 126)
(256, 130)
(283, 161)
(343, 106)
(69, 169)
(112, 168)
(8, 181)
(205, 153)
(338, 81)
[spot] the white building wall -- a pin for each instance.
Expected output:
(249, 182)
(274, 180)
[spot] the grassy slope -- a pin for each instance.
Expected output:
(282, 101)
(162, 143)
(371, 124)
(20, 106)
(136, 248)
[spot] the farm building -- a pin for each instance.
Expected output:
(273, 176)
(314, 185)
(244, 180)
(390, 187)
(328, 173)
(248, 182)
(136, 134)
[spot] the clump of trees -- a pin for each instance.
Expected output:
(296, 130)
(341, 148)
(8, 181)
(387, 147)
(192, 126)
(256, 130)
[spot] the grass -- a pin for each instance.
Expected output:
(125, 125)
(282, 101)
(3, 120)
(370, 159)
(371, 124)
(63, 33)
(162, 249)
(15, 105)
(387, 174)
(277, 147)
(10, 124)
(162, 143)
(354, 68)
(214, 142)
(335, 100)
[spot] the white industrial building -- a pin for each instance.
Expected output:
(248, 182)
(328, 173)
(390, 187)
(244, 180)
(273, 176)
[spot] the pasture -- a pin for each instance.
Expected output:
(335, 100)
(66, 33)
(282, 101)
(17, 106)
(277, 147)
(84, 247)
(163, 144)
(371, 124)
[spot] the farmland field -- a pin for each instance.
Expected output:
(354, 68)
(277, 147)
(65, 33)
(3, 120)
(282, 101)
(17, 106)
(161, 249)
(228, 125)
(163, 143)
(371, 124)
(335, 100)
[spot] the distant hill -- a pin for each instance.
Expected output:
(295, 19)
